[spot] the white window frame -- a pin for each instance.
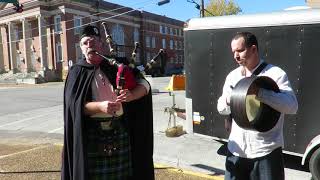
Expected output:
(77, 23)
(148, 42)
(118, 34)
(164, 43)
(59, 52)
(180, 45)
(57, 24)
(153, 42)
(16, 33)
(136, 35)
(171, 44)
(171, 60)
(148, 56)
(160, 29)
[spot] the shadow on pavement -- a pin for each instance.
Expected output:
(214, 171)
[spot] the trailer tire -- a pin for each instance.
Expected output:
(314, 165)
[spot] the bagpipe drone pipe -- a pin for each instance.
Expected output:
(128, 71)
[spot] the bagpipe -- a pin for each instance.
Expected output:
(128, 71)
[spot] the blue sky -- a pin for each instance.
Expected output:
(183, 10)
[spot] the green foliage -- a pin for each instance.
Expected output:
(221, 8)
(9, 1)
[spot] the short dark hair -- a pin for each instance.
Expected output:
(249, 38)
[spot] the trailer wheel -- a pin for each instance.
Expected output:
(314, 164)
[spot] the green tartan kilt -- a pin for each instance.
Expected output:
(109, 153)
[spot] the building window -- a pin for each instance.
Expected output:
(147, 41)
(118, 34)
(77, 24)
(163, 31)
(137, 60)
(18, 60)
(136, 35)
(148, 56)
(58, 52)
(153, 45)
(171, 31)
(179, 45)
(57, 23)
(181, 59)
(180, 32)
(176, 45)
(171, 60)
(121, 54)
(166, 30)
(175, 31)
(163, 43)
(79, 54)
(171, 44)
(33, 59)
(16, 33)
(160, 29)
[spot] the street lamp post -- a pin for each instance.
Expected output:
(202, 9)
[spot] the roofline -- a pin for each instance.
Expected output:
(293, 17)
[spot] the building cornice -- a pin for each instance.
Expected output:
(32, 13)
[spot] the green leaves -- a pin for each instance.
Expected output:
(9, 1)
(222, 7)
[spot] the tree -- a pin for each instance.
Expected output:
(221, 8)
(9, 1)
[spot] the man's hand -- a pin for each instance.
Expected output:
(253, 89)
(125, 96)
(109, 107)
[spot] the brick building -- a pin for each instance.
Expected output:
(44, 38)
(313, 3)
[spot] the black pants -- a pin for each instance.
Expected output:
(269, 167)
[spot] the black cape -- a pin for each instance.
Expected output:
(138, 115)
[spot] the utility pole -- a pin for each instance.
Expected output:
(201, 8)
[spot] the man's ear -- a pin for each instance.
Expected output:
(254, 48)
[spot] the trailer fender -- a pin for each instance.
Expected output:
(312, 146)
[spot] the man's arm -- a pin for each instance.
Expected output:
(285, 101)
(223, 105)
